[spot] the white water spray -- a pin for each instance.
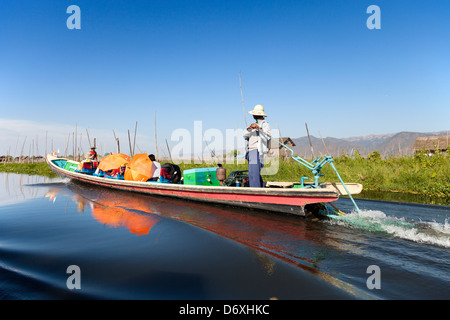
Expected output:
(433, 233)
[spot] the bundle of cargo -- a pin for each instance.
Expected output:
(170, 173)
(87, 166)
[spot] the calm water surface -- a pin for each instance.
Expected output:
(131, 246)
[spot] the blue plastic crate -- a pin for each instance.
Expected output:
(118, 177)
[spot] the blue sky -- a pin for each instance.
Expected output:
(304, 61)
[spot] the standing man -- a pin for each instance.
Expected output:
(258, 137)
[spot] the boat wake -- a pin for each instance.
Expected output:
(47, 184)
(433, 233)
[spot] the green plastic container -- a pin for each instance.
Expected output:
(201, 177)
(71, 166)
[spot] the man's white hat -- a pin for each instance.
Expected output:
(258, 110)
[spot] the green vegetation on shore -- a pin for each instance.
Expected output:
(418, 174)
(39, 169)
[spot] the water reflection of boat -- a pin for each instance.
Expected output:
(296, 241)
(279, 235)
(118, 217)
(298, 201)
(111, 212)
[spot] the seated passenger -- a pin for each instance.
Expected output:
(116, 173)
(92, 155)
(157, 167)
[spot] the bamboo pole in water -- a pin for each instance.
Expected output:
(89, 139)
(21, 151)
(37, 145)
(310, 144)
(46, 133)
(76, 144)
(156, 140)
(79, 148)
(129, 143)
(68, 143)
(326, 149)
(15, 150)
(65, 145)
(7, 156)
(134, 142)
(117, 142)
(170, 155)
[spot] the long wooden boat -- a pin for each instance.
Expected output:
(278, 197)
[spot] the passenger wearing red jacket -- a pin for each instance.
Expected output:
(93, 154)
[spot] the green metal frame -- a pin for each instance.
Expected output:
(316, 166)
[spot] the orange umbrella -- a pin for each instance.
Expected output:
(139, 168)
(113, 161)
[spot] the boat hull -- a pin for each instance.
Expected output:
(290, 200)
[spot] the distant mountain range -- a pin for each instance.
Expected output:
(387, 144)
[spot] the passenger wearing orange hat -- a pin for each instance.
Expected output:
(258, 137)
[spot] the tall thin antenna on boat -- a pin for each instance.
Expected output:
(242, 97)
